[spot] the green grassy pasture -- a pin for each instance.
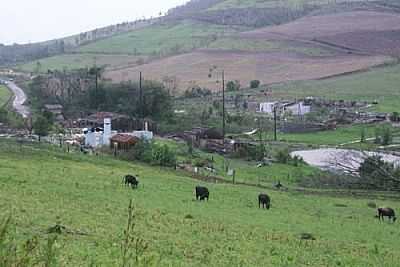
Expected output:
(42, 186)
(159, 39)
(77, 61)
(5, 95)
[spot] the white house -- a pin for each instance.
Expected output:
(96, 137)
(268, 107)
(297, 109)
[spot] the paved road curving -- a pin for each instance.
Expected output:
(19, 100)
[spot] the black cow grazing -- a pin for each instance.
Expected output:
(264, 200)
(131, 181)
(202, 193)
(386, 212)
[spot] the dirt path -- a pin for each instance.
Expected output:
(19, 100)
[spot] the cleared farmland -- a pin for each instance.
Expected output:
(193, 68)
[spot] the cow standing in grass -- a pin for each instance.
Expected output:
(264, 200)
(202, 193)
(131, 181)
(386, 212)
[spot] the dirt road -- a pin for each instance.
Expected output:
(19, 100)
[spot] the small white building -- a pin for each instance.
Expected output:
(96, 137)
(297, 109)
(146, 134)
(268, 107)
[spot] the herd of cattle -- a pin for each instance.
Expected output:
(264, 201)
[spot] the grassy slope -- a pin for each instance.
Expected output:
(247, 171)
(342, 135)
(76, 61)
(255, 45)
(380, 84)
(44, 187)
(5, 95)
(124, 49)
(159, 39)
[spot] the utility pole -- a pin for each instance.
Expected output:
(97, 88)
(275, 135)
(223, 117)
(223, 106)
(141, 113)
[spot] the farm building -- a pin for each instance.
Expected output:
(96, 136)
(297, 109)
(120, 122)
(268, 107)
(123, 141)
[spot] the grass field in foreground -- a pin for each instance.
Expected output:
(42, 187)
(5, 95)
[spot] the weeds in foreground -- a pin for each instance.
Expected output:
(133, 246)
(31, 253)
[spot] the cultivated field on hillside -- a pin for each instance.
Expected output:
(228, 4)
(194, 68)
(365, 31)
(41, 188)
(259, 45)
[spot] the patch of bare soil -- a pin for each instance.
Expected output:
(194, 68)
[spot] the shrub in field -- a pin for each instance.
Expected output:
(162, 155)
(232, 86)
(283, 157)
(142, 151)
(254, 84)
(378, 174)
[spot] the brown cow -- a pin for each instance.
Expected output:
(386, 212)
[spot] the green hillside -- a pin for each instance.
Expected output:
(161, 40)
(134, 47)
(42, 187)
(79, 60)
